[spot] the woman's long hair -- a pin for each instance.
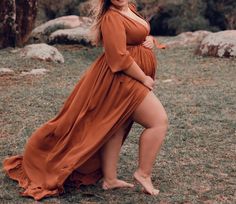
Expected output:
(99, 11)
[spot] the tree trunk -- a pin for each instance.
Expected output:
(17, 19)
(7, 23)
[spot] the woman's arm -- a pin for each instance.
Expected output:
(137, 73)
(117, 56)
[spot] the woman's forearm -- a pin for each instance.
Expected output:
(136, 72)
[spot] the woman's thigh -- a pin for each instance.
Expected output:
(150, 112)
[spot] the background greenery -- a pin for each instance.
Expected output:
(167, 17)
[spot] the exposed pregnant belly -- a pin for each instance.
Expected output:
(145, 58)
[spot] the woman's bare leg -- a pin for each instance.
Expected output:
(110, 156)
(152, 116)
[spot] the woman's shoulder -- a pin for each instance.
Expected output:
(110, 16)
(110, 13)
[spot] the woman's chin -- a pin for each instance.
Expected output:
(119, 3)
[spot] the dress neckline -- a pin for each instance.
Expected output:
(147, 28)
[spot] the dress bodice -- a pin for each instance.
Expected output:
(119, 32)
(136, 31)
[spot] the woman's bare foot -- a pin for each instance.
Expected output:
(116, 184)
(146, 182)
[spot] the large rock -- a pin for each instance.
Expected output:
(42, 52)
(41, 34)
(220, 44)
(70, 36)
(16, 21)
(188, 38)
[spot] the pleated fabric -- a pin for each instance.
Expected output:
(66, 149)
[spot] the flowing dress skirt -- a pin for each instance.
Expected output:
(66, 148)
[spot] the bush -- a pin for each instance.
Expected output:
(221, 14)
(212, 15)
(173, 19)
(51, 9)
(167, 17)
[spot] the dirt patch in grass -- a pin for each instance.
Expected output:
(197, 161)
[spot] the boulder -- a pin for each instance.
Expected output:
(188, 38)
(42, 33)
(70, 36)
(42, 52)
(220, 44)
(16, 21)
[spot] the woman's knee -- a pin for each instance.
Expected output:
(164, 120)
(160, 127)
(160, 122)
(151, 113)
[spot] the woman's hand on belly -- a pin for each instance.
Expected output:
(149, 43)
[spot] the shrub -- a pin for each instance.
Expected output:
(52, 9)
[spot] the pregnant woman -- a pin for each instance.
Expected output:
(81, 144)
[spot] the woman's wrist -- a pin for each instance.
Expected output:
(143, 78)
(136, 72)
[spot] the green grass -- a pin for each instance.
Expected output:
(197, 160)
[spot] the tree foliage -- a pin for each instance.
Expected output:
(51, 9)
(167, 17)
(174, 17)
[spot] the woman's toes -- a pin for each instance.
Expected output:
(104, 186)
(130, 185)
(146, 183)
(155, 192)
(116, 184)
(123, 184)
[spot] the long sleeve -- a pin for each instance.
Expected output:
(114, 42)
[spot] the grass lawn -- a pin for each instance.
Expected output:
(197, 161)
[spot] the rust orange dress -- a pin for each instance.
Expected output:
(66, 148)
